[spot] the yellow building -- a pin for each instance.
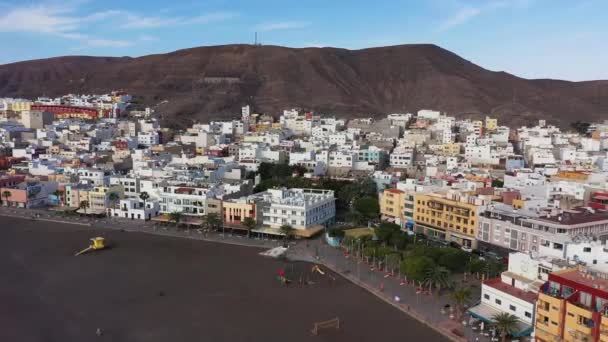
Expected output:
(392, 205)
(20, 106)
(573, 306)
(491, 124)
(448, 216)
(450, 150)
(235, 211)
(99, 197)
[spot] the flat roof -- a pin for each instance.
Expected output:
(586, 279)
(497, 283)
(578, 216)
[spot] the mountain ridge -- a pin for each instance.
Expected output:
(213, 82)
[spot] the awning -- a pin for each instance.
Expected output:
(90, 211)
(305, 233)
(484, 312)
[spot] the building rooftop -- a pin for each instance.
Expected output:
(576, 216)
(585, 277)
(497, 284)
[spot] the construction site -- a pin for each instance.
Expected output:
(138, 287)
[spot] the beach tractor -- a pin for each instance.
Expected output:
(97, 243)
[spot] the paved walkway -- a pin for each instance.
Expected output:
(423, 307)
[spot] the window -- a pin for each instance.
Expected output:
(529, 315)
(512, 307)
(497, 301)
(587, 249)
(486, 296)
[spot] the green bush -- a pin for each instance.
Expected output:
(416, 267)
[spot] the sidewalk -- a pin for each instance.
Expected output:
(425, 308)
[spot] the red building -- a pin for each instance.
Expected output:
(599, 200)
(7, 162)
(64, 112)
(121, 144)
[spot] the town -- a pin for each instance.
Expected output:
(424, 197)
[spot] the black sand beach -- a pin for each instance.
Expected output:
(151, 288)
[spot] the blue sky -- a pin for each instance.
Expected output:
(564, 39)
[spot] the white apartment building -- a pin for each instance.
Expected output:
(148, 139)
(516, 290)
(429, 114)
(342, 159)
(401, 158)
(134, 208)
(187, 200)
(131, 185)
(300, 208)
(93, 177)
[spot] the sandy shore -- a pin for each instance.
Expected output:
(151, 288)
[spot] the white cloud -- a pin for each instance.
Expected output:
(108, 43)
(460, 17)
(467, 13)
(147, 38)
(56, 20)
(285, 25)
(134, 21)
(66, 22)
(38, 19)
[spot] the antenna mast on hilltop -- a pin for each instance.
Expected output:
(255, 42)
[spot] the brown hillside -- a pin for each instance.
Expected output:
(212, 82)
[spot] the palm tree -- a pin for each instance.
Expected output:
(59, 194)
(175, 216)
(287, 230)
(437, 276)
(214, 221)
(7, 195)
(144, 196)
(461, 297)
(113, 197)
(505, 324)
(250, 223)
(84, 205)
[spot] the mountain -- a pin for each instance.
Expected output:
(214, 82)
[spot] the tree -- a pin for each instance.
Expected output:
(476, 266)
(144, 196)
(392, 261)
(6, 194)
(461, 297)
(399, 239)
(113, 197)
(59, 195)
(415, 267)
(250, 223)
(175, 216)
(368, 207)
(453, 259)
(437, 277)
(498, 183)
(287, 230)
(385, 230)
(505, 324)
(580, 127)
(214, 221)
(84, 205)
(354, 218)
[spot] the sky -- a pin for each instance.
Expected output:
(561, 39)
